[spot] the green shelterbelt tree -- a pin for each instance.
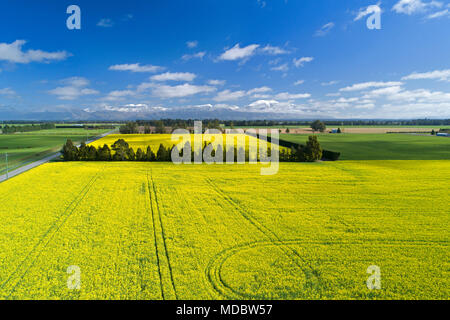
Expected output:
(129, 128)
(104, 153)
(91, 153)
(150, 155)
(140, 156)
(312, 151)
(318, 126)
(82, 151)
(163, 154)
(121, 149)
(131, 154)
(69, 151)
(213, 124)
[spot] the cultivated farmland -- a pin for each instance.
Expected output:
(26, 147)
(154, 140)
(161, 231)
(381, 146)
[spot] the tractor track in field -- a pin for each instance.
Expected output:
(215, 265)
(293, 255)
(30, 259)
(157, 212)
(156, 242)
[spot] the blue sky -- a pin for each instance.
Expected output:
(295, 59)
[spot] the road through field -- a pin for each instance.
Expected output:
(37, 163)
(162, 231)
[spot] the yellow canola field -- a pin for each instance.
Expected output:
(161, 231)
(154, 140)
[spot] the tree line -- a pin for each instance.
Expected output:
(8, 129)
(212, 123)
(160, 126)
(121, 151)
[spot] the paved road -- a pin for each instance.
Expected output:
(42, 161)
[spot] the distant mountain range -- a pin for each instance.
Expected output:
(190, 112)
(8, 114)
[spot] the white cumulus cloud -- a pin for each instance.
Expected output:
(74, 88)
(179, 91)
(410, 7)
(439, 14)
(7, 92)
(300, 62)
(259, 90)
(174, 76)
(12, 52)
(366, 11)
(291, 96)
(263, 104)
(282, 67)
(118, 95)
(135, 67)
(238, 53)
(273, 50)
(368, 85)
(198, 55)
(192, 44)
(442, 75)
(228, 95)
(105, 23)
(325, 29)
(216, 82)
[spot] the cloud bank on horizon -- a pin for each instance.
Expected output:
(261, 58)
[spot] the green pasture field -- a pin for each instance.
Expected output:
(381, 146)
(67, 131)
(26, 147)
